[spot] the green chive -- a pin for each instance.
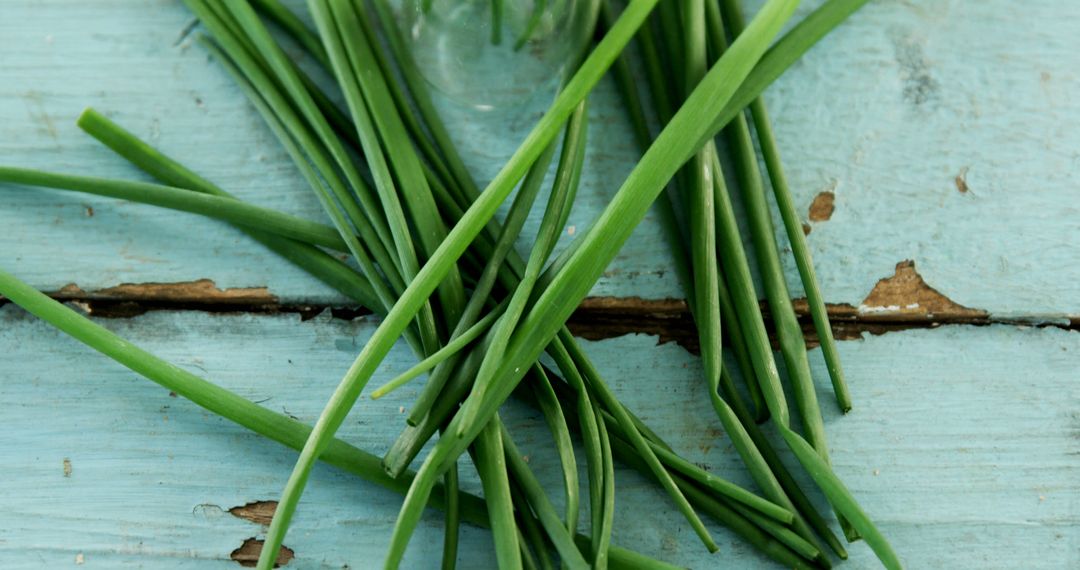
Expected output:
(326, 268)
(770, 151)
(452, 521)
(496, 22)
(548, 403)
(607, 518)
(227, 209)
(594, 250)
(441, 263)
(534, 551)
(840, 498)
(538, 500)
(588, 423)
(706, 289)
(403, 158)
(722, 513)
(491, 464)
(213, 398)
(559, 201)
(450, 349)
(531, 25)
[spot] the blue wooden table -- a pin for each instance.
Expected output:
(931, 146)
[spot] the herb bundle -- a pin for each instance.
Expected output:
(425, 250)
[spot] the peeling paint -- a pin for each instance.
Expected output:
(248, 554)
(906, 296)
(199, 291)
(961, 181)
(260, 512)
(821, 209)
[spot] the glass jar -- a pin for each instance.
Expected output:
(490, 54)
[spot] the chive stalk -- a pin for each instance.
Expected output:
(589, 425)
(438, 266)
(324, 267)
(676, 143)
(559, 201)
(788, 330)
(531, 24)
(770, 152)
(608, 511)
(767, 471)
(303, 119)
(402, 156)
(213, 398)
(699, 174)
(456, 344)
(452, 520)
(538, 500)
(492, 468)
(548, 403)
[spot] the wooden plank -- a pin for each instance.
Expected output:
(172, 94)
(940, 142)
(962, 445)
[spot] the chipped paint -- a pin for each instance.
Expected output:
(198, 291)
(906, 296)
(961, 181)
(259, 512)
(823, 206)
(248, 554)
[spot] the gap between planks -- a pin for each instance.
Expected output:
(597, 318)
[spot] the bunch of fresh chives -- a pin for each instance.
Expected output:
(404, 207)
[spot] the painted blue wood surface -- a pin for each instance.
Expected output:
(885, 113)
(962, 445)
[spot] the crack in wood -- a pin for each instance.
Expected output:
(670, 324)
(899, 302)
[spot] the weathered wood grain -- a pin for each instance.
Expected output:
(935, 132)
(940, 128)
(963, 444)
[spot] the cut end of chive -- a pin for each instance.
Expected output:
(382, 391)
(88, 114)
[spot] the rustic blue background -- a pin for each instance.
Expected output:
(964, 443)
